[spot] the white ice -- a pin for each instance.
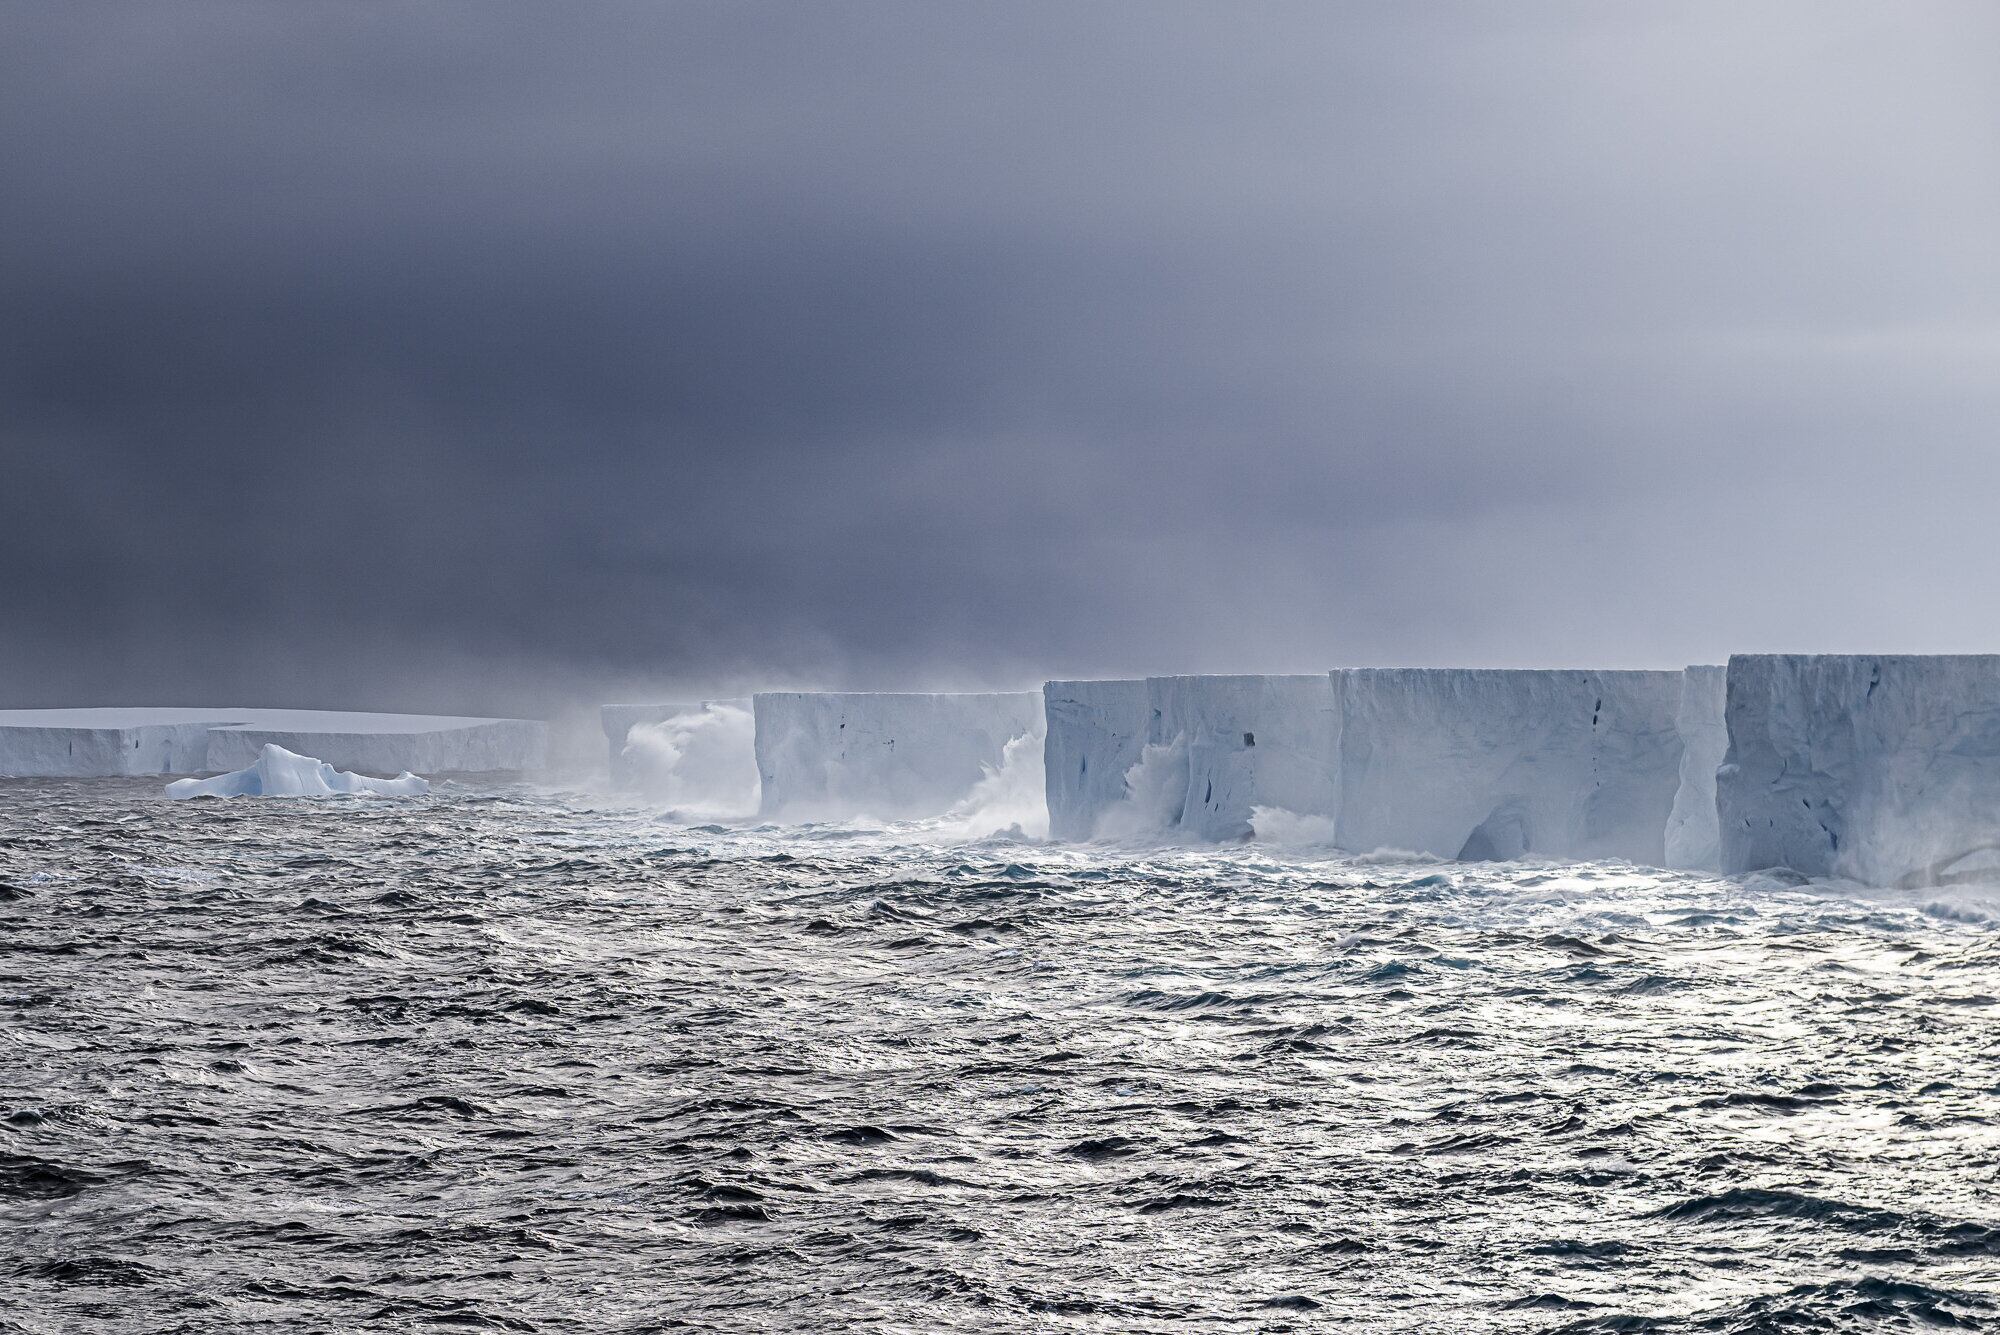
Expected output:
(281, 773)
(1881, 769)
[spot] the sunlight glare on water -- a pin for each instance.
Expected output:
(521, 1060)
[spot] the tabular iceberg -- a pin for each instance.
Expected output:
(280, 773)
(1489, 763)
(1881, 768)
(1096, 731)
(1252, 743)
(83, 743)
(1694, 840)
(833, 755)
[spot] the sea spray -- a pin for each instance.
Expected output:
(702, 763)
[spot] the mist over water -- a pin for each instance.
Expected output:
(524, 1060)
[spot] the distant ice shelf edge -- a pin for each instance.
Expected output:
(130, 741)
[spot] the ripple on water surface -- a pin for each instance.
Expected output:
(508, 1060)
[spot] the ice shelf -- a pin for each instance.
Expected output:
(82, 743)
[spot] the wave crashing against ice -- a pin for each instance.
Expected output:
(281, 773)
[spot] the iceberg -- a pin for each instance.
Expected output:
(825, 755)
(1477, 763)
(1096, 732)
(85, 743)
(281, 773)
(1694, 840)
(1253, 743)
(1884, 769)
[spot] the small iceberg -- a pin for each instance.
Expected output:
(282, 773)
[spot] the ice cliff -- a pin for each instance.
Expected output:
(1253, 743)
(1881, 768)
(1096, 731)
(1192, 757)
(1693, 838)
(836, 756)
(81, 743)
(1488, 763)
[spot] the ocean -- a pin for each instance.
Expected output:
(517, 1059)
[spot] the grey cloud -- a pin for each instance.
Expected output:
(478, 356)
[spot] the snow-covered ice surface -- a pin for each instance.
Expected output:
(281, 773)
(1876, 767)
(824, 755)
(1694, 840)
(76, 743)
(509, 1059)
(1487, 763)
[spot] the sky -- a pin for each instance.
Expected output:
(498, 357)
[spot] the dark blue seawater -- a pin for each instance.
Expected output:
(510, 1060)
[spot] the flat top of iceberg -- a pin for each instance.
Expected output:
(273, 720)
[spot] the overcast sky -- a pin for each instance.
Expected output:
(474, 355)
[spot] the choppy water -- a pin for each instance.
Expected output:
(505, 1060)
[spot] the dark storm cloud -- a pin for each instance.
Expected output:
(462, 355)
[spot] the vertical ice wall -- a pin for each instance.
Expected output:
(1693, 837)
(83, 743)
(1251, 742)
(1096, 730)
(1882, 768)
(831, 756)
(1488, 763)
